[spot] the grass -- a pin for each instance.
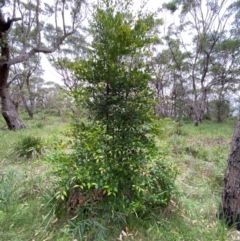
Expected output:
(200, 153)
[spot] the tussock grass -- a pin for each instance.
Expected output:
(29, 147)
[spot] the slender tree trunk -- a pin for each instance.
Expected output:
(194, 114)
(203, 104)
(29, 109)
(174, 99)
(231, 192)
(59, 112)
(197, 111)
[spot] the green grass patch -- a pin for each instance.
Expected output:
(27, 188)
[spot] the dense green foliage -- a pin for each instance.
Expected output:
(115, 158)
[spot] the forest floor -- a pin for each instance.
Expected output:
(200, 154)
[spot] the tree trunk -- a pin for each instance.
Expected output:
(203, 103)
(194, 115)
(29, 109)
(9, 110)
(231, 193)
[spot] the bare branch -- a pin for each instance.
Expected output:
(63, 16)
(28, 55)
(13, 79)
(38, 35)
